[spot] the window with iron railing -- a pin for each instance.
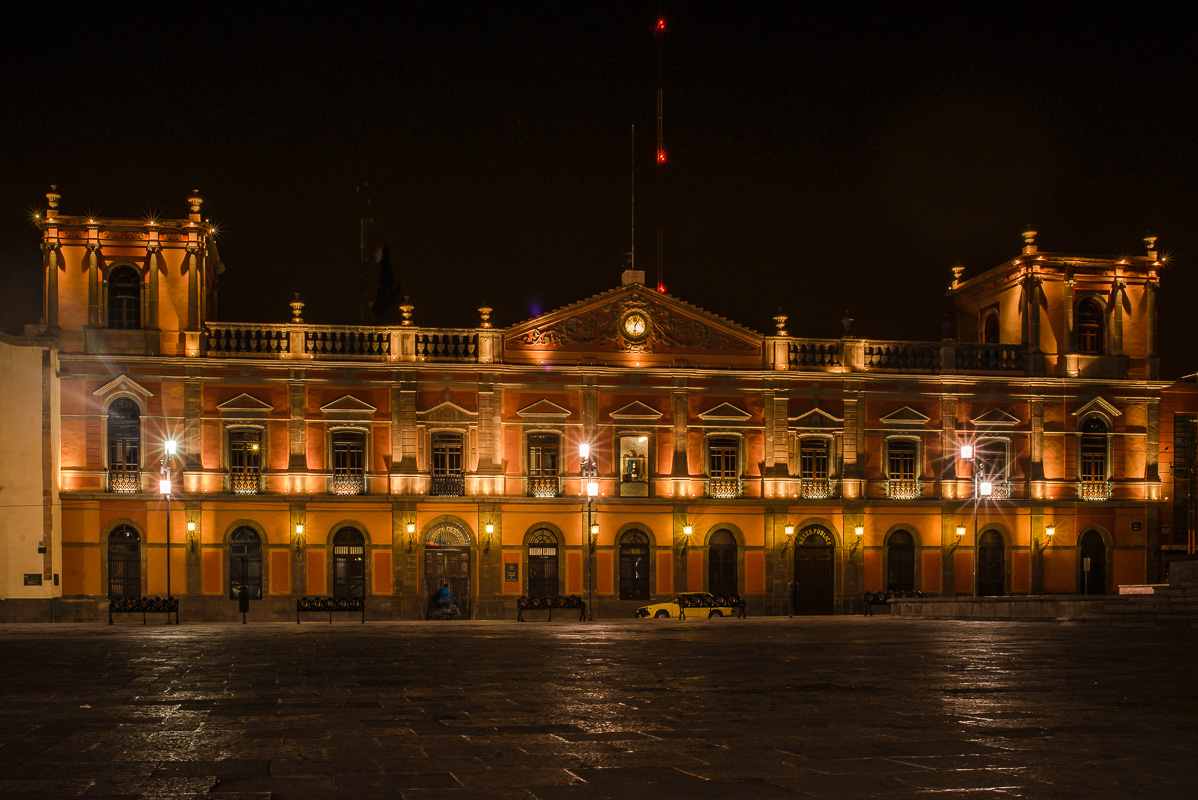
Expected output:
(245, 460)
(448, 477)
(349, 462)
(723, 467)
(124, 446)
(902, 456)
(543, 476)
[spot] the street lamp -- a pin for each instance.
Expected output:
(589, 469)
(982, 487)
(164, 488)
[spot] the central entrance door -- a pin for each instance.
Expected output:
(814, 590)
(447, 560)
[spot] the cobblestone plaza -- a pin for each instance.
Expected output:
(834, 707)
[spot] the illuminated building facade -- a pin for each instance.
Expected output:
(1036, 451)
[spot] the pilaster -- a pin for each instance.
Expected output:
(680, 468)
(297, 424)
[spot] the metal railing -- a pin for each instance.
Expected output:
(447, 486)
(725, 488)
(124, 481)
(816, 488)
(245, 482)
(545, 487)
(903, 489)
(1094, 490)
(1000, 490)
(349, 483)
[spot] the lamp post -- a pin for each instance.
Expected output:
(164, 488)
(590, 470)
(982, 487)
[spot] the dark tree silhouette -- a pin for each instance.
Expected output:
(386, 299)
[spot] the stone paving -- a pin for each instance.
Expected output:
(834, 707)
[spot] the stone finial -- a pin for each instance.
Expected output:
(52, 198)
(485, 313)
(780, 323)
(193, 203)
(1029, 241)
(1150, 243)
(847, 322)
(958, 271)
(406, 309)
(297, 310)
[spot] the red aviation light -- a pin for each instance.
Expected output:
(661, 156)
(661, 287)
(661, 23)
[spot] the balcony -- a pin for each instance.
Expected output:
(545, 487)
(999, 490)
(816, 488)
(447, 486)
(349, 483)
(902, 489)
(1094, 490)
(725, 488)
(124, 481)
(245, 482)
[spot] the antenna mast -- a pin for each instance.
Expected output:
(632, 250)
(659, 34)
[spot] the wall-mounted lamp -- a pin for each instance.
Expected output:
(490, 529)
(297, 541)
(1049, 532)
(411, 536)
(858, 538)
(960, 535)
(789, 529)
(191, 535)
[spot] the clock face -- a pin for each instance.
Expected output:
(635, 326)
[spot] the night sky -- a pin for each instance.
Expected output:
(819, 159)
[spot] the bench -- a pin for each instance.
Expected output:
(549, 604)
(348, 605)
(732, 601)
(143, 606)
(872, 599)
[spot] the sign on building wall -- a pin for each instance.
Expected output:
(511, 573)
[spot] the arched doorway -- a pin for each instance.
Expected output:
(542, 564)
(124, 563)
(991, 565)
(245, 563)
(1093, 563)
(721, 564)
(447, 561)
(349, 564)
(634, 566)
(814, 584)
(900, 562)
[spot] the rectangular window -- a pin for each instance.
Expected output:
(901, 456)
(349, 462)
(447, 454)
(245, 460)
(813, 458)
(723, 451)
(542, 455)
(634, 466)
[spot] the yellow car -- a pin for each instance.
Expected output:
(694, 604)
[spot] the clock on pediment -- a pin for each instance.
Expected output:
(635, 326)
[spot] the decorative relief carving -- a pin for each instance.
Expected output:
(601, 326)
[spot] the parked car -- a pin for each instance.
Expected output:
(692, 603)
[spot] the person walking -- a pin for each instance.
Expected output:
(444, 598)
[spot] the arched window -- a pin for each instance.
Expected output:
(1093, 563)
(1090, 334)
(124, 298)
(542, 564)
(349, 563)
(634, 566)
(245, 563)
(991, 565)
(721, 564)
(990, 328)
(124, 563)
(1094, 450)
(124, 446)
(900, 562)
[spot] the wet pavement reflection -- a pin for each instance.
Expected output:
(759, 708)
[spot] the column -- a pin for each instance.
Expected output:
(1070, 345)
(680, 467)
(51, 263)
(1117, 317)
(93, 281)
(152, 267)
(193, 287)
(1037, 443)
(297, 424)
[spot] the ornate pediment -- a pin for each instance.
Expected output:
(123, 386)
(725, 413)
(1099, 405)
(348, 407)
(244, 406)
(636, 410)
(905, 417)
(995, 418)
(543, 409)
(816, 419)
(447, 411)
(633, 320)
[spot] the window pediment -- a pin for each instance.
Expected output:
(244, 406)
(636, 410)
(543, 410)
(1099, 405)
(725, 413)
(123, 386)
(816, 419)
(348, 408)
(995, 418)
(905, 417)
(447, 412)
